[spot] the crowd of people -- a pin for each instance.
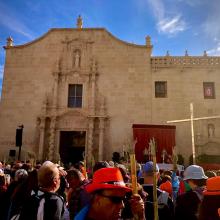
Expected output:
(48, 191)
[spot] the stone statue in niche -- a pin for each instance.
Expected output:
(211, 130)
(77, 59)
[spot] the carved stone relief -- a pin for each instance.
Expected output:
(211, 130)
(75, 53)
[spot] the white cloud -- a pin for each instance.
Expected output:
(167, 24)
(158, 9)
(171, 25)
(192, 3)
(11, 22)
(215, 51)
(211, 27)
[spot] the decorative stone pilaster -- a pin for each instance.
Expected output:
(90, 139)
(101, 128)
(93, 79)
(55, 89)
(101, 137)
(52, 138)
(42, 135)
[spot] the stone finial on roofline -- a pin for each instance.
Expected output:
(79, 22)
(9, 42)
(186, 53)
(148, 41)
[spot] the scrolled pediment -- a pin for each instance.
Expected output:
(73, 113)
(72, 119)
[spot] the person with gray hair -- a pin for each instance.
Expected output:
(21, 175)
(46, 203)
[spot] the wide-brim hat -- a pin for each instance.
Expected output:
(194, 172)
(107, 178)
(212, 186)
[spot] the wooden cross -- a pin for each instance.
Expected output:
(192, 119)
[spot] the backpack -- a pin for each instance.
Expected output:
(162, 199)
(30, 208)
(164, 211)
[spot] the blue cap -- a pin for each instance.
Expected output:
(149, 167)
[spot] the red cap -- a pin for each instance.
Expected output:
(213, 186)
(107, 178)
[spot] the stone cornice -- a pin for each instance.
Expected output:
(98, 116)
(74, 30)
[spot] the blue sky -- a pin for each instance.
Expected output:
(174, 25)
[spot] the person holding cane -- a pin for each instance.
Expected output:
(108, 193)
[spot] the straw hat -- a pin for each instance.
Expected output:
(107, 178)
(213, 186)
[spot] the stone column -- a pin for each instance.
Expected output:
(101, 137)
(55, 89)
(93, 80)
(52, 138)
(42, 135)
(90, 140)
(53, 117)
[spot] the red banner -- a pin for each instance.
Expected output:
(164, 136)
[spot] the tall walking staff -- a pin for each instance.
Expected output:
(133, 169)
(152, 145)
(133, 172)
(175, 159)
(84, 161)
(174, 176)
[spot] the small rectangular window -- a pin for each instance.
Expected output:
(209, 90)
(160, 89)
(75, 96)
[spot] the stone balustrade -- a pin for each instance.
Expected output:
(186, 61)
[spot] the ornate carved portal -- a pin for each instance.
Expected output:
(59, 124)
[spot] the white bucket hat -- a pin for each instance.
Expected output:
(194, 172)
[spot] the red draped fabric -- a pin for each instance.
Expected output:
(164, 136)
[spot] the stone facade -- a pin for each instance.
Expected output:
(118, 80)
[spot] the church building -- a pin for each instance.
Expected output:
(83, 92)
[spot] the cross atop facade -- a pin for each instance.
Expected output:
(191, 120)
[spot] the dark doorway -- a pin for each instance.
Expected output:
(72, 146)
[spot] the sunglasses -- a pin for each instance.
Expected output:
(114, 199)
